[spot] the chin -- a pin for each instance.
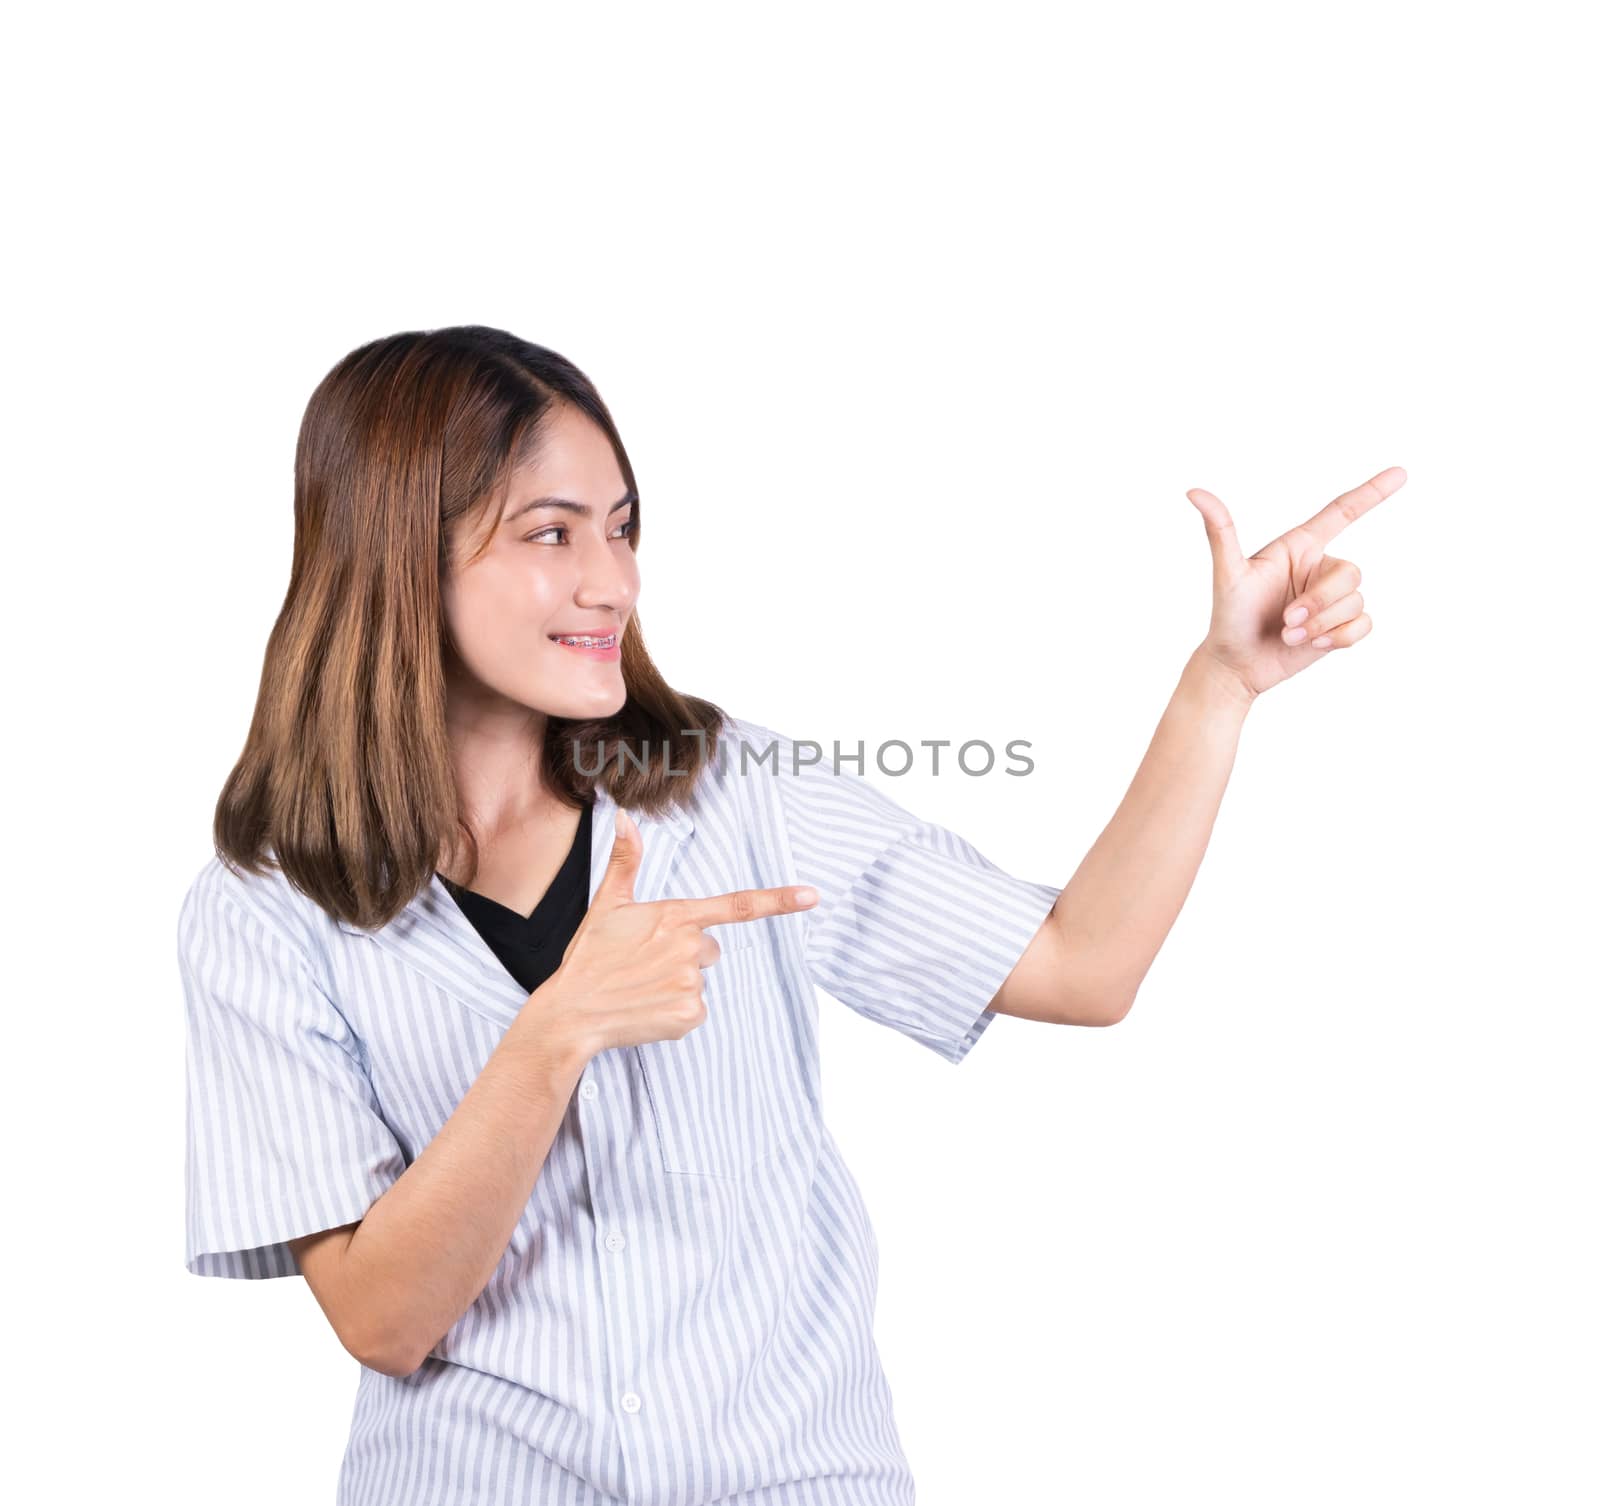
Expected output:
(598, 701)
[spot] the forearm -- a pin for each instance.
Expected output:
(1121, 902)
(427, 1248)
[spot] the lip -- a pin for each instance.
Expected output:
(605, 655)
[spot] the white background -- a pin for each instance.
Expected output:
(918, 325)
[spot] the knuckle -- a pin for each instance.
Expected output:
(692, 1013)
(660, 934)
(744, 905)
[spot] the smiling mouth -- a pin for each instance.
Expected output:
(582, 640)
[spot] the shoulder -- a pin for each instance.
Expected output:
(752, 759)
(758, 748)
(804, 776)
(749, 750)
(741, 730)
(808, 799)
(222, 900)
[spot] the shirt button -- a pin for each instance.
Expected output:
(588, 1090)
(615, 1241)
(630, 1402)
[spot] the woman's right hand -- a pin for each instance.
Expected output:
(631, 972)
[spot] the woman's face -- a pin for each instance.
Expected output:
(559, 565)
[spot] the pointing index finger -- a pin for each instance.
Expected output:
(746, 904)
(1344, 510)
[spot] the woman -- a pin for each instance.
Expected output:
(501, 1021)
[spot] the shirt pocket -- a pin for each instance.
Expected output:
(721, 1096)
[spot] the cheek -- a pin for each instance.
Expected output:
(495, 613)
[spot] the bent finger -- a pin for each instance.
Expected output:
(1340, 580)
(1343, 637)
(1335, 614)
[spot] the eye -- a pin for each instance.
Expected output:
(624, 531)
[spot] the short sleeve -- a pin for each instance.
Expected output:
(914, 927)
(284, 1136)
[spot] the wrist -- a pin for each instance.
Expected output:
(1216, 686)
(542, 1032)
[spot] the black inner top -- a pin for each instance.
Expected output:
(531, 946)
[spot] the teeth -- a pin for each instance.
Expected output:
(605, 642)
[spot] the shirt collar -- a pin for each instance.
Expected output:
(433, 936)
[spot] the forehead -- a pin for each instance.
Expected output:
(571, 455)
(573, 459)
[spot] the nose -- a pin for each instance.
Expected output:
(607, 581)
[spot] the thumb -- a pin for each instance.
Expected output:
(622, 867)
(1226, 557)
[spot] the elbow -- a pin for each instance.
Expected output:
(1114, 1008)
(395, 1369)
(1092, 1007)
(1092, 1011)
(1102, 985)
(1119, 993)
(388, 1355)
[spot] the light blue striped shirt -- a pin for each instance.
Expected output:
(684, 1313)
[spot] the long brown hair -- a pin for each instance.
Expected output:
(346, 783)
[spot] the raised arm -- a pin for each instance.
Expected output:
(1272, 615)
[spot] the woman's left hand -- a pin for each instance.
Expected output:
(1289, 603)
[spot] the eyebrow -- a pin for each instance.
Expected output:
(581, 508)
